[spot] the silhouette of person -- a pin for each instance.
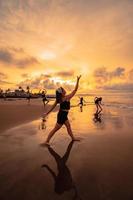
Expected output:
(1, 93)
(81, 102)
(63, 100)
(44, 98)
(28, 95)
(98, 104)
(63, 180)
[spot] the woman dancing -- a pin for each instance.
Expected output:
(64, 101)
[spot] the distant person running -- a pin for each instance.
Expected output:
(64, 101)
(98, 104)
(44, 98)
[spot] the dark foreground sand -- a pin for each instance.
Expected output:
(99, 167)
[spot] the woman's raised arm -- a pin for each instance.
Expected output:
(69, 96)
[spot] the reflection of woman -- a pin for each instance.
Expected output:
(63, 180)
(98, 104)
(64, 101)
(43, 125)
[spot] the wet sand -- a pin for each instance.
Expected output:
(14, 113)
(99, 167)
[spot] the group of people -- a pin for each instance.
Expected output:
(63, 100)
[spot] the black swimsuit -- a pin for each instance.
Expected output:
(62, 114)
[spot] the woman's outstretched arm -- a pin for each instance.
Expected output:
(69, 96)
(52, 107)
(50, 170)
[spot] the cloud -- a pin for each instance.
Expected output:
(42, 76)
(3, 76)
(16, 57)
(16, 50)
(130, 75)
(3, 79)
(5, 82)
(103, 75)
(65, 73)
(118, 72)
(6, 56)
(26, 62)
(50, 84)
(117, 79)
(24, 75)
(44, 81)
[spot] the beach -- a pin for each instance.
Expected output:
(15, 112)
(99, 167)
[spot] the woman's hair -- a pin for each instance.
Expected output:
(59, 95)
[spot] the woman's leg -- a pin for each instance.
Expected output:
(100, 108)
(43, 103)
(69, 130)
(56, 128)
(97, 108)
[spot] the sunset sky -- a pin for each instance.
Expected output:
(47, 43)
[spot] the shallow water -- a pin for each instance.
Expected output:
(99, 167)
